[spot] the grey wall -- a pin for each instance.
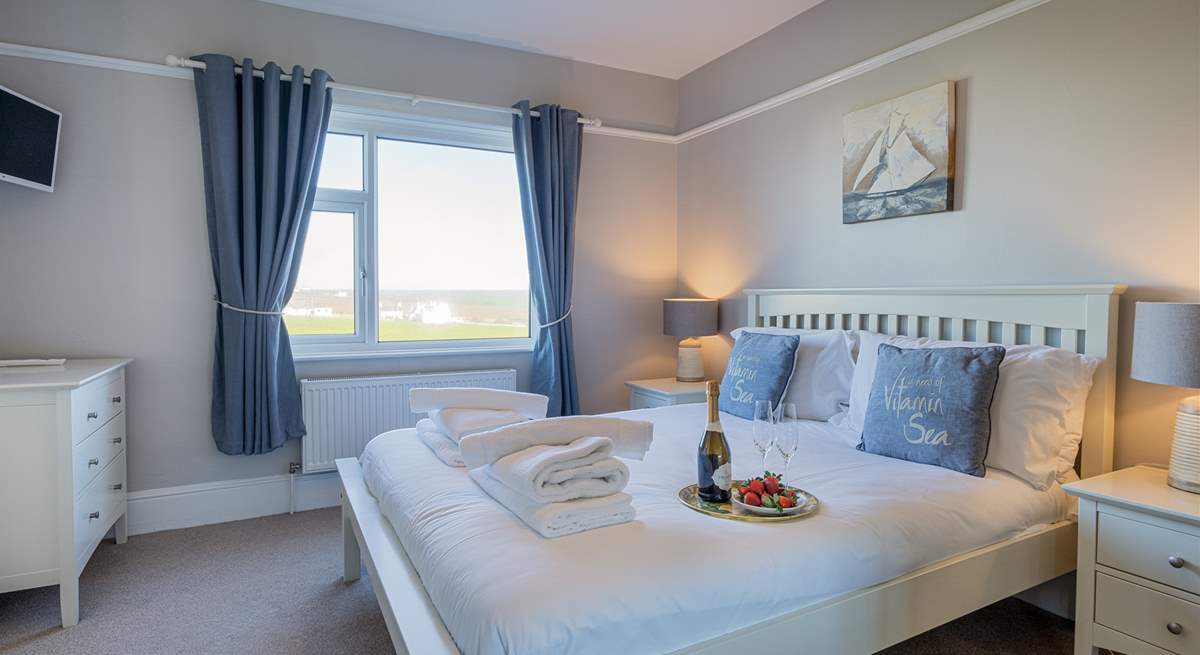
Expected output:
(1077, 160)
(828, 37)
(115, 261)
(1078, 145)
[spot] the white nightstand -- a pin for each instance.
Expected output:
(1138, 584)
(661, 392)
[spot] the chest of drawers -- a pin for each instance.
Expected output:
(62, 472)
(1138, 584)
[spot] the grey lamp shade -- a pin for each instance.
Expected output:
(1166, 343)
(689, 317)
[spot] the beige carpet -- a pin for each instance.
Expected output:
(273, 585)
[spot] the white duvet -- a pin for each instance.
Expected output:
(674, 577)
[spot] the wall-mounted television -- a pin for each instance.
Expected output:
(28, 141)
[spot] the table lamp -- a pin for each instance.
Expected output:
(689, 318)
(1166, 350)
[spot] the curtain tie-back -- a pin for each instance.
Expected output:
(559, 319)
(251, 311)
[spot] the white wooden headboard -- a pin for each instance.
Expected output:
(1081, 318)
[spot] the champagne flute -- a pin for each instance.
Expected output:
(764, 430)
(787, 435)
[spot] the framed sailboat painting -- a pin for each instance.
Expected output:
(898, 156)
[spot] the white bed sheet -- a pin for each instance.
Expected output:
(675, 577)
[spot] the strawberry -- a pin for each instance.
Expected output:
(752, 499)
(771, 483)
(785, 502)
(756, 487)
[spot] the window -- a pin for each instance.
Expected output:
(415, 244)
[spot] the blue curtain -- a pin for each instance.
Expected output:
(262, 140)
(548, 149)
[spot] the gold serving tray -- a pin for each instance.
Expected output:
(689, 497)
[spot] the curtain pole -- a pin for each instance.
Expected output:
(412, 99)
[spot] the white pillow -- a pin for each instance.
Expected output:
(1037, 411)
(820, 381)
(1043, 393)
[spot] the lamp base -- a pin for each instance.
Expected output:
(689, 366)
(1184, 471)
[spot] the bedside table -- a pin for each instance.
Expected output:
(1138, 572)
(661, 392)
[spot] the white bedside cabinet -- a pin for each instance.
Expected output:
(660, 392)
(1138, 584)
(62, 472)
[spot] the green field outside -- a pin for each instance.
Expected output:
(396, 330)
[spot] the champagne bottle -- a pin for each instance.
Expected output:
(713, 463)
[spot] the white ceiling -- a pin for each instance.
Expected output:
(669, 38)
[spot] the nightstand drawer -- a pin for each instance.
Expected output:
(1148, 615)
(639, 400)
(1166, 556)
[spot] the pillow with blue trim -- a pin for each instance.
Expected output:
(933, 406)
(760, 367)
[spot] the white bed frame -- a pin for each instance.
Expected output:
(1079, 318)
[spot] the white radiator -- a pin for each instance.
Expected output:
(343, 414)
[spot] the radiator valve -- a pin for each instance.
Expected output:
(294, 468)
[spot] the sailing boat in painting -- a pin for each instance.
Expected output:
(893, 165)
(908, 167)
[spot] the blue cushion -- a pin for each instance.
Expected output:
(759, 368)
(933, 406)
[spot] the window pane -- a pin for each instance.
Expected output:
(323, 302)
(451, 244)
(342, 162)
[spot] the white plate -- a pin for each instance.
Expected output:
(805, 502)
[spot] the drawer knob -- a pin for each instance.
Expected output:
(1174, 628)
(116, 400)
(118, 439)
(118, 486)
(93, 462)
(93, 415)
(96, 515)
(1176, 562)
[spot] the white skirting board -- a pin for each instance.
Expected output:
(171, 508)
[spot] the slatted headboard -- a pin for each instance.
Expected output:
(1082, 319)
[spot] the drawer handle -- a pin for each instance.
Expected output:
(93, 415)
(118, 439)
(1176, 562)
(93, 515)
(116, 400)
(118, 486)
(1174, 628)
(93, 462)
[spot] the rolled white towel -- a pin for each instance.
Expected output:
(584, 468)
(529, 405)
(558, 519)
(443, 446)
(631, 439)
(458, 422)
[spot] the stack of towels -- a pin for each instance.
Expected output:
(558, 475)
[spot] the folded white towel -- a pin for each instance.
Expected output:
(631, 439)
(529, 405)
(585, 468)
(558, 519)
(458, 422)
(441, 445)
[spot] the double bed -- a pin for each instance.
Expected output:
(895, 549)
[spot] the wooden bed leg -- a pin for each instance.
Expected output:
(351, 558)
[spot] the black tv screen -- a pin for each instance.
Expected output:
(28, 141)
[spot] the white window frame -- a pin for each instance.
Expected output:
(372, 124)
